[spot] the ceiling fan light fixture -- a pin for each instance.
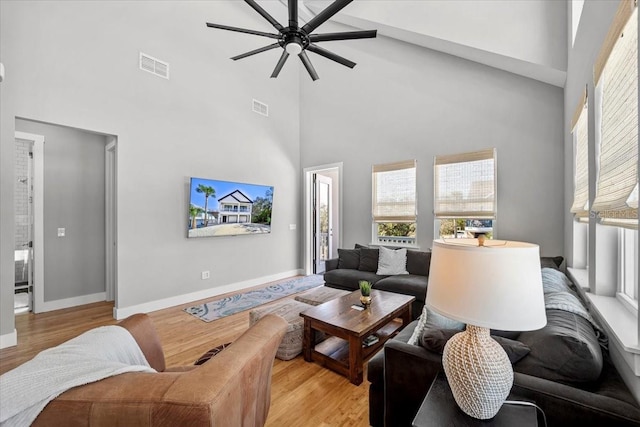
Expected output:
(293, 48)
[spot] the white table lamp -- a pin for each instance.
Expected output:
(497, 285)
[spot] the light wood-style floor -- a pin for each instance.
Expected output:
(302, 394)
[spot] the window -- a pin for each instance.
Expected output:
(580, 131)
(394, 204)
(465, 194)
(628, 263)
(616, 73)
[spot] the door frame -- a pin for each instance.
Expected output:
(38, 217)
(111, 219)
(307, 180)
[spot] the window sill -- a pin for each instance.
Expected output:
(620, 323)
(394, 245)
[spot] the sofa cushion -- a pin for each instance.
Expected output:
(407, 284)
(349, 258)
(435, 340)
(565, 350)
(369, 259)
(418, 262)
(348, 279)
(391, 262)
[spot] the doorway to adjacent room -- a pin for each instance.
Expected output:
(323, 197)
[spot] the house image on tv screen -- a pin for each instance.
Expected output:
(234, 207)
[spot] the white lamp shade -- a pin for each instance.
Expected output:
(497, 286)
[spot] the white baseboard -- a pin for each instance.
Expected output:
(121, 313)
(71, 302)
(9, 340)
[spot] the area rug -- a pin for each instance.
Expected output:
(227, 306)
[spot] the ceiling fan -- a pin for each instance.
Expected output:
(296, 40)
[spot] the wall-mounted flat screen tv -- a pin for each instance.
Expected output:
(224, 208)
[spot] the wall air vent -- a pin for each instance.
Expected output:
(260, 108)
(154, 66)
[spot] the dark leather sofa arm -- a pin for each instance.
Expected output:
(331, 264)
(409, 372)
(565, 405)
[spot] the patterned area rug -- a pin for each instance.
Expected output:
(227, 306)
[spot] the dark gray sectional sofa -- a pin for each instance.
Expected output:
(361, 263)
(567, 373)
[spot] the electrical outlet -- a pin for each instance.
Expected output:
(205, 275)
(292, 226)
(61, 232)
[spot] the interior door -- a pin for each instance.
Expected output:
(322, 223)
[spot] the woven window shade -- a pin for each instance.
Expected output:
(394, 192)
(616, 201)
(581, 134)
(465, 185)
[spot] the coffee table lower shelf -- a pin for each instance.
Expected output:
(334, 351)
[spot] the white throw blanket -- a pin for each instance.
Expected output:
(92, 356)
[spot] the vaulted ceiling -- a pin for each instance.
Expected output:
(525, 38)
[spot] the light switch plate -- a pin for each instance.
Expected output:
(61, 232)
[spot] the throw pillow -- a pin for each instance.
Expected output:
(432, 320)
(349, 258)
(418, 262)
(435, 340)
(369, 259)
(555, 281)
(392, 262)
(359, 246)
(551, 262)
(209, 354)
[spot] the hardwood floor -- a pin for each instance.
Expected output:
(302, 394)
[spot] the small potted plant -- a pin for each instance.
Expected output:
(365, 290)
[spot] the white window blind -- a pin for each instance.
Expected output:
(394, 192)
(580, 207)
(616, 201)
(465, 185)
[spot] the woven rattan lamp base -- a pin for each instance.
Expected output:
(479, 372)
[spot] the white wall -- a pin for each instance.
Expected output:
(75, 64)
(404, 102)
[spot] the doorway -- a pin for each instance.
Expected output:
(80, 247)
(323, 204)
(28, 221)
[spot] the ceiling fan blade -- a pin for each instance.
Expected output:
(264, 14)
(293, 13)
(347, 35)
(307, 64)
(243, 30)
(253, 52)
(330, 55)
(280, 64)
(323, 16)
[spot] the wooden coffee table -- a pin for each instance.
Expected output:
(344, 352)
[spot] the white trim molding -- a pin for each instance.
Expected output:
(9, 340)
(121, 313)
(72, 302)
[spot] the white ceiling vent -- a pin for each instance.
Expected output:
(154, 66)
(260, 108)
